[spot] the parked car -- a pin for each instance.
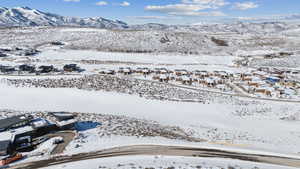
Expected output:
(58, 140)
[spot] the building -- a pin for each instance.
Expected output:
(126, 71)
(63, 120)
(5, 147)
(163, 78)
(7, 69)
(14, 122)
(273, 79)
(46, 69)
(27, 68)
(72, 68)
(186, 80)
(21, 130)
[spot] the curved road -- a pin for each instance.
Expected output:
(162, 150)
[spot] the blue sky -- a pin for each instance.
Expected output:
(163, 11)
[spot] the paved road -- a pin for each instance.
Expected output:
(162, 150)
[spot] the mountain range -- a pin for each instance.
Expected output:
(25, 16)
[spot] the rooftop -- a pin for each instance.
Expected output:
(11, 121)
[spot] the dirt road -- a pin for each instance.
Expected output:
(67, 136)
(163, 150)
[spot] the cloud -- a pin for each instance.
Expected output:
(245, 5)
(176, 8)
(212, 13)
(149, 17)
(124, 3)
(211, 3)
(190, 8)
(101, 3)
(72, 0)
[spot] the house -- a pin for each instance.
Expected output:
(246, 76)
(256, 82)
(178, 78)
(197, 72)
(57, 43)
(202, 74)
(107, 72)
(63, 120)
(127, 71)
(42, 126)
(264, 69)
(146, 71)
(27, 68)
(163, 78)
(221, 87)
(72, 68)
(164, 71)
(194, 78)
(31, 52)
(273, 79)
(295, 72)
(223, 75)
(121, 69)
(264, 90)
(14, 122)
(7, 69)
(16, 138)
(46, 69)
(155, 77)
(216, 73)
(161, 71)
(139, 70)
(181, 72)
(3, 55)
(186, 80)
(5, 147)
(218, 80)
(260, 74)
(210, 82)
(287, 91)
(23, 138)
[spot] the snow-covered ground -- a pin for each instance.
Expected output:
(173, 59)
(153, 162)
(221, 120)
(216, 122)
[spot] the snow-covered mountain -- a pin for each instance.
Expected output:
(25, 16)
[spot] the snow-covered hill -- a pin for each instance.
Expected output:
(235, 27)
(25, 16)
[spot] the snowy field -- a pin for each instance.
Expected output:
(153, 162)
(214, 122)
(222, 121)
(156, 59)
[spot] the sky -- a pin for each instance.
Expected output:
(164, 11)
